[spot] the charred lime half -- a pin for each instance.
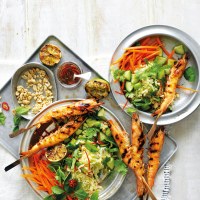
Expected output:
(97, 88)
(56, 153)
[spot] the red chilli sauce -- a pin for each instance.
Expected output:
(66, 73)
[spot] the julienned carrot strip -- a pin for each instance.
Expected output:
(171, 54)
(125, 105)
(143, 51)
(122, 86)
(141, 47)
(185, 88)
(121, 93)
(162, 46)
(120, 59)
(145, 41)
(151, 55)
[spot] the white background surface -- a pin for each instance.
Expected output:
(93, 29)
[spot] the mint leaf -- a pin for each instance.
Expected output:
(120, 167)
(50, 197)
(2, 118)
(20, 110)
(190, 74)
(95, 196)
(81, 194)
(60, 175)
(57, 190)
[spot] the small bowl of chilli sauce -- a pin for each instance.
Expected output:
(65, 74)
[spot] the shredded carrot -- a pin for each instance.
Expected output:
(121, 93)
(41, 174)
(141, 47)
(162, 46)
(88, 160)
(151, 55)
(171, 54)
(125, 105)
(122, 86)
(185, 88)
(145, 41)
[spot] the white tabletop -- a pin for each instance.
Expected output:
(93, 29)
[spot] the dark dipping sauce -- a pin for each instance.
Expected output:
(66, 73)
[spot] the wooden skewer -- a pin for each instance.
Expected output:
(149, 189)
(22, 130)
(153, 129)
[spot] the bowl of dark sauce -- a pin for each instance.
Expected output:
(65, 74)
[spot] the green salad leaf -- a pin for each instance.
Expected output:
(50, 197)
(118, 75)
(120, 167)
(190, 74)
(131, 110)
(2, 118)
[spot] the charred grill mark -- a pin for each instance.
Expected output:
(124, 153)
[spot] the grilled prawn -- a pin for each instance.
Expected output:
(77, 108)
(155, 149)
(56, 137)
(136, 150)
(132, 155)
(172, 82)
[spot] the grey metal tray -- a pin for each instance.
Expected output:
(127, 190)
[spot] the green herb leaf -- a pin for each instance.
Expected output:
(120, 167)
(81, 194)
(95, 196)
(50, 197)
(57, 190)
(131, 110)
(17, 120)
(118, 74)
(91, 147)
(2, 118)
(60, 175)
(90, 132)
(190, 74)
(20, 110)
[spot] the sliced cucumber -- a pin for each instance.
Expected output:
(102, 114)
(137, 86)
(161, 74)
(127, 75)
(134, 79)
(129, 86)
(160, 60)
(171, 62)
(179, 49)
(110, 163)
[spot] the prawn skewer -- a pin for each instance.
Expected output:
(170, 91)
(54, 138)
(74, 109)
(155, 149)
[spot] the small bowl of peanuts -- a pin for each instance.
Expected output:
(33, 85)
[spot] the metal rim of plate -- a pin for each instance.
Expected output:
(109, 191)
(17, 76)
(174, 33)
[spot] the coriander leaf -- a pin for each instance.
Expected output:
(20, 110)
(68, 162)
(118, 74)
(2, 118)
(190, 74)
(90, 132)
(81, 194)
(131, 110)
(91, 147)
(57, 190)
(95, 196)
(120, 167)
